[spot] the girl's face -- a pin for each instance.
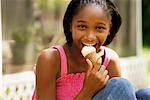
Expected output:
(90, 26)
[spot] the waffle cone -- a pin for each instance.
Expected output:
(89, 52)
(92, 57)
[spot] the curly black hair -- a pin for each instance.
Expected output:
(75, 5)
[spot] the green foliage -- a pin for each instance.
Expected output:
(59, 3)
(7, 91)
(146, 49)
(146, 22)
(22, 36)
(50, 4)
(42, 4)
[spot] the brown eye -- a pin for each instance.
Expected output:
(100, 28)
(81, 27)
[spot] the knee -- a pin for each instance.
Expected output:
(143, 93)
(120, 82)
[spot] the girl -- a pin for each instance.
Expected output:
(62, 72)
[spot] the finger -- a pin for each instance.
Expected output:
(102, 69)
(105, 73)
(102, 73)
(96, 67)
(106, 79)
(90, 66)
(99, 60)
(101, 53)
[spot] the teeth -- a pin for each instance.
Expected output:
(88, 44)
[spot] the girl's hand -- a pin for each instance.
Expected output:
(95, 79)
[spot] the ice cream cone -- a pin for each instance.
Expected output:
(92, 57)
(89, 52)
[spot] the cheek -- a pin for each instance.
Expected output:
(76, 35)
(102, 38)
(105, 39)
(73, 33)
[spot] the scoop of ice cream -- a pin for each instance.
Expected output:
(90, 53)
(87, 50)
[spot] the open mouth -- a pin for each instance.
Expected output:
(91, 44)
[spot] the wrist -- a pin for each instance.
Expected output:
(81, 97)
(84, 95)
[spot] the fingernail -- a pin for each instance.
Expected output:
(99, 60)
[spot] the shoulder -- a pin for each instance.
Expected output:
(111, 54)
(49, 55)
(48, 62)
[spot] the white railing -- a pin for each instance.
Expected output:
(20, 86)
(135, 69)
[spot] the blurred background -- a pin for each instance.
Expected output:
(29, 26)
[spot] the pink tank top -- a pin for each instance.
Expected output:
(69, 85)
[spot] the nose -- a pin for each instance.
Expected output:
(90, 37)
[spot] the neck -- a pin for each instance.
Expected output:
(74, 53)
(75, 58)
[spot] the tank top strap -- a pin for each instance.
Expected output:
(63, 59)
(106, 58)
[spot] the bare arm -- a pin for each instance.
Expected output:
(114, 67)
(46, 73)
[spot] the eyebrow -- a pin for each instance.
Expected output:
(99, 23)
(81, 21)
